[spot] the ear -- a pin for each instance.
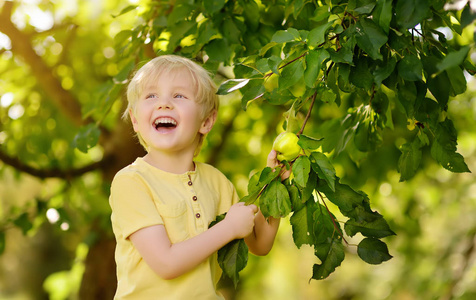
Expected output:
(133, 120)
(208, 123)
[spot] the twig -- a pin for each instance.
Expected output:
(308, 115)
(288, 63)
(332, 218)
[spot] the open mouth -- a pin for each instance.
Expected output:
(165, 123)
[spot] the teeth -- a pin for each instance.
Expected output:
(164, 120)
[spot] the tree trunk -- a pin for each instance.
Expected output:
(99, 278)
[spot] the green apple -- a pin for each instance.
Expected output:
(286, 146)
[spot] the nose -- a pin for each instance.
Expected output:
(164, 103)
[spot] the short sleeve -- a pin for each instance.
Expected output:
(229, 196)
(132, 205)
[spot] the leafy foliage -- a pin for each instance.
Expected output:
(352, 76)
(368, 49)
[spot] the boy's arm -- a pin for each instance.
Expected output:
(172, 260)
(261, 240)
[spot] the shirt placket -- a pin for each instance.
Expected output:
(196, 207)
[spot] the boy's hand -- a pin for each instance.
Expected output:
(241, 219)
(273, 162)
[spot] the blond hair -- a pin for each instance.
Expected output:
(150, 72)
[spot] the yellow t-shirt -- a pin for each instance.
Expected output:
(142, 196)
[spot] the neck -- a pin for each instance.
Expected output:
(176, 164)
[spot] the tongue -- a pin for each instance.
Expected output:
(163, 127)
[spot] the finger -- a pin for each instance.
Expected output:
(254, 208)
(285, 174)
(272, 161)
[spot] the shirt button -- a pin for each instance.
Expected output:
(194, 198)
(197, 215)
(190, 182)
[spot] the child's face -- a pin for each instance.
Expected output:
(167, 117)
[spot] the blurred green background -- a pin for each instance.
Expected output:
(59, 61)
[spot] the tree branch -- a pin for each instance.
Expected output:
(22, 46)
(54, 172)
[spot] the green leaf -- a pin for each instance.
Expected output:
(178, 31)
(278, 97)
(324, 168)
(453, 59)
(251, 12)
(360, 74)
(253, 90)
(122, 37)
(384, 69)
(301, 168)
(440, 88)
(180, 12)
(362, 135)
(344, 196)
(364, 6)
(410, 68)
(328, 96)
(314, 61)
(344, 54)
(275, 201)
(291, 75)
(302, 223)
(457, 80)
(233, 258)
(266, 47)
(409, 160)
(443, 148)
(331, 259)
(267, 175)
(232, 85)
(206, 31)
(373, 251)
(123, 74)
(87, 137)
(213, 6)
(317, 35)
(383, 14)
(217, 50)
(407, 96)
(273, 64)
(219, 218)
(411, 12)
(370, 37)
(308, 191)
(125, 10)
(257, 182)
(309, 143)
(376, 228)
(297, 202)
(324, 230)
(468, 15)
(283, 36)
(380, 103)
(23, 222)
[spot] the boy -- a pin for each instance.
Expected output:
(163, 203)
